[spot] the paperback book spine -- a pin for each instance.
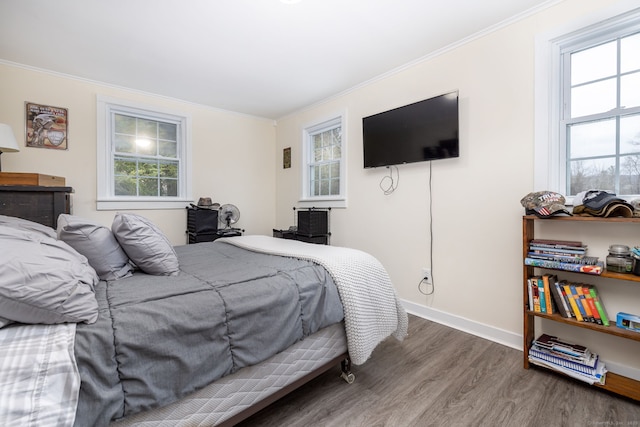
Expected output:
(595, 269)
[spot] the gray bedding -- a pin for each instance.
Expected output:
(158, 338)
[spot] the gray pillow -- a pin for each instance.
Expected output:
(98, 244)
(145, 244)
(44, 280)
(24, 224)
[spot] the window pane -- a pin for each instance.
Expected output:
(630, 53)
(337, 135)
(125, 186)
(169, 149)
(337, 152)
(169, 170)
(335, 170)
(125, 124)
(592, 139)
(123, 166)
(168, 187)
(630, 134)
(593, 98)
(125, 143)
(317, 141)
(147, 147)
(317, 155)
(589, 174)
(147, 129)
(630, 174)
(335, 186)
(324, 171)
(630, 90)
(167, 131)
(148, 169)
(324, 187)
(327, 153)
(148, 187)
(594, 63)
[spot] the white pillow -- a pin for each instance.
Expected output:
(145, 244)
(44, 280)
(98, 244)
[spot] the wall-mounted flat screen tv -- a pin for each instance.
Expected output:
(422, 131)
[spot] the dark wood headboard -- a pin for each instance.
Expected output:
(35, 203)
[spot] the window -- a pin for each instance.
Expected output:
(592, 128)
(323, 173)
(143, 157)
(601, 116)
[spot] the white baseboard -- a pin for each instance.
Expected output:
(491, 333)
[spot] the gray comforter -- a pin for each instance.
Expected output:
(159, 338)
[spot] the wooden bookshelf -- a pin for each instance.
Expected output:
(614, 382)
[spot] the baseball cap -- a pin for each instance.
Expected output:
(596, 199)
(544, 204)
(601, 203)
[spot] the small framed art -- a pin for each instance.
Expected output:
(286, 158)
(46, 126)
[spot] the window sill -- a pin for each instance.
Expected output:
(322, 203)
(107, 205)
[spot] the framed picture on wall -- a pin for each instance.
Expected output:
(46, 126)
(286, 158)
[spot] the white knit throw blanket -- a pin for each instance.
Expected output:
(372, 310)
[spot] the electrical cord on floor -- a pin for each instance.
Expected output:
(393, 184)
(431, 287)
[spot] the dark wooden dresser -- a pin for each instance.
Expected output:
(35, 203)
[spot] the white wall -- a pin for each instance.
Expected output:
(233, 155)
(477, 232)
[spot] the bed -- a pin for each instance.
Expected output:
(117, 327)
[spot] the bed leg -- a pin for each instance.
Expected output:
(347, 375)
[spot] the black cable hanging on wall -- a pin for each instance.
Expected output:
(393, 184)
(431, 288)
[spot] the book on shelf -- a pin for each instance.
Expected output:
(574, 259)
(599, 306)
(572, 359)
(595, 269)
(576, 298)
(599, 377)
(554, 243)
(534, 294)
(557, 251)
(565, 298)
(556, 293)
(583, 302)
(572, 302)
(547, 294)
(566, 348)
(543, 296)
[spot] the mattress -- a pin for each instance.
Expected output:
(234, 393)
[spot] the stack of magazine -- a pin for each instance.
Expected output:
(562, 255)
(573, 360)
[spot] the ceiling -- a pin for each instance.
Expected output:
(258, 57)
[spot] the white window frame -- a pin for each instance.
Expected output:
(333, 201)
(550, 145)
(106, 200)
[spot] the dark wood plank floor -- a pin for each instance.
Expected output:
(444, 377)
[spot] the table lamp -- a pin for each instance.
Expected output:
(8, 141)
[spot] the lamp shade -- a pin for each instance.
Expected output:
(8, 141)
